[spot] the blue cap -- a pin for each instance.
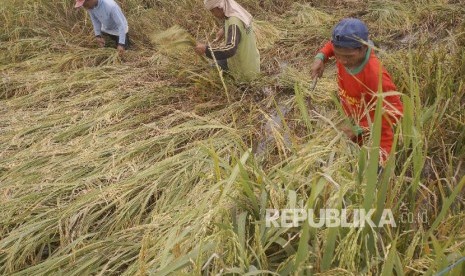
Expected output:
(349, 33)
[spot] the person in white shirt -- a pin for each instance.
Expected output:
(108, 20)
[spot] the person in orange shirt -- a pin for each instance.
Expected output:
(358, 74)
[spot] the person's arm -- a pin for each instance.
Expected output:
(323, 55)
(326, 52)
(97, 30)
(219, 35)
(97, 25)
(120, 20)
(229, 50)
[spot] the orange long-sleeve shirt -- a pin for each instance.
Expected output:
(357, 92)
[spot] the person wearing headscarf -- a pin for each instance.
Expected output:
(240, 54)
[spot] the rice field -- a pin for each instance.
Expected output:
(154, 163)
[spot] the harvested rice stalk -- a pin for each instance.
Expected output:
(266, 34)
(389, 16)
(173, 38)
(307, 15)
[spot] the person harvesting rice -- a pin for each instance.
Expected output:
(108, 21)
(358, 73)
(240, 55)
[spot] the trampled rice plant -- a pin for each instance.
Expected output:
(146, 163)
(389, 17)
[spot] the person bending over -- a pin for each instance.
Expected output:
(108, 21)
(240, 55)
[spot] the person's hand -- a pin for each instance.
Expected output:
(100, 41)
(352, 132)
(348, 131)
(219, 35)
(120, 49)
(200, 48)
(318, 67)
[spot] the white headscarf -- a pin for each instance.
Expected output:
(230, 8)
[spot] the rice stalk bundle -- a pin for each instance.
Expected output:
(389, 16)
(266, 34)
(173, 39)
(140, 165)
(440, 16)
(310, 16)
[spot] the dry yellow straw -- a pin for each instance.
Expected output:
(173, 38)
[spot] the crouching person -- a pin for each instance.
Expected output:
(108, 21)
(240, 56)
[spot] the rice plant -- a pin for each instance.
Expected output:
(148, 163)
(173, 38)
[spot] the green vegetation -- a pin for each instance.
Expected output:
(147, 164)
